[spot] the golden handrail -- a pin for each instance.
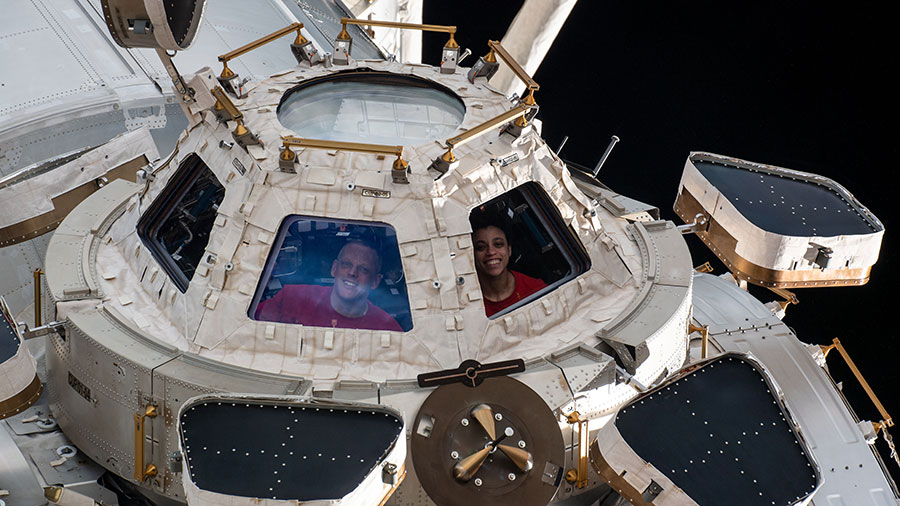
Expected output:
(579, 476)
(226, 72)
(37, 296)
(396, 24)
(398, 169)
(704, 338)
(141, 473)
(513, 65)
(887, 421)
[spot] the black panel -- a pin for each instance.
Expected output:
(9, 342)
(720, 435)
(282, 451)
(180, 15)
(783, 205)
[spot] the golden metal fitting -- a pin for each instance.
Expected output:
(140, 472)
(449, 157)
(579, 477)
(451, 44)
(37, 296)
(223, 102)
(514, 65)
(300, 39)
(888, 421)
(704, 267)
(490, 57)
(240, 129)
(227, 73)
(287, 154)
(344, 35)
(521, 122)
(479, 130)
(704, 338)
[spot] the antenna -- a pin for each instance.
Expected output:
(612, 144)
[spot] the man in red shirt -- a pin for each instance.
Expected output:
(356, 272)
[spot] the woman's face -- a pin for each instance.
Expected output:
(492, 252)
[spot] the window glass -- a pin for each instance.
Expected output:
(371, 107)
(176, 227)
(523, 249)
(334, 273)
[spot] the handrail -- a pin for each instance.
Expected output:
(704, 338)
(141, 473)
(399, 167)
(37, 296)
(579, 476)
(516, 112)
(887, 420)
(345, 35)
(227, 72)
(514, 66)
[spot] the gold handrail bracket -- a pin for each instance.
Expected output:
(887, 420)
(287, 158)
(448, 160)
(302, 48)
(579, 476)
(37, 296)
(343, 41)
(141, 473)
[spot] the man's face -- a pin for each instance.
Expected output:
(491, 251)
(355, 272)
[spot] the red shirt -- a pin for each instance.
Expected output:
(311, 305)
(525, 286)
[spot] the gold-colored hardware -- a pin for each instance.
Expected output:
(477, 131)
(579, 477)
(226, 72)
(399, 163)
(513, 65)
(521, 458)
(344, 35)
(466, 468)
(788, 296)
(37, 296)
(520, 121)
(223, 102)
(485, 416)
(704, 338)
(887, 420)
(141, 473)
(53, 494)
(704, 267)
(490, 57)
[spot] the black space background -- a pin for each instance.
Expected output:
(803, 85)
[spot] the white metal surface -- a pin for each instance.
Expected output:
(739, 322)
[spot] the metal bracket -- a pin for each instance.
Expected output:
(579, 476)
(141, 473)
(58, 327)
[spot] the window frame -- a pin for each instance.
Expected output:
(564, 238)
(150, 223)
(272, 257)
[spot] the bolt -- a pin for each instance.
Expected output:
(509, 431)
(477, 482)
(498, 417)
(464, 422)
(521, 444)
(511, 476)
(454, 455)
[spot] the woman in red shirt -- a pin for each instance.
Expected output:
(501, 287)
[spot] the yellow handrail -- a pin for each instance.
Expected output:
(887, 420)
(227, 72)
(399, 168)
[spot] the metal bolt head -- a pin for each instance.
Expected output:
(509, 431)
(521, 444)
(511, 476)
(464, 422)
(498, 417)
(477, 482)
(454, 455)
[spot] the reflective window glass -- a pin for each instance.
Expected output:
(176, 226)
(334, 273)
(523, 249)
(371, 107)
